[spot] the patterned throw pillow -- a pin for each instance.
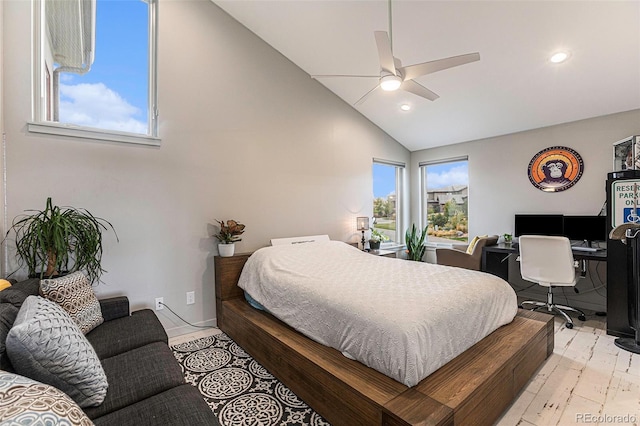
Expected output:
(74, 293)
(46, 345)
(27, 402)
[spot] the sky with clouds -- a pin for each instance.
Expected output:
(113, 95)
(438, 176)
(446, 174)
(96, 105)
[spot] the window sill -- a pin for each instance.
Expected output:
(89, 133)
(392, 246)
(432, 245)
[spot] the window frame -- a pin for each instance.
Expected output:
(41, 105)
(423, 193)
(399, 177)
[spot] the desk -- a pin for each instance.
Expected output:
(494, 258)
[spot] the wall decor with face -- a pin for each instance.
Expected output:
(555, 169)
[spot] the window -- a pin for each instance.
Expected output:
(95, 69)
(445, 199)
(387, 199)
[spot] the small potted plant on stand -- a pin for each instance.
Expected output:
(228, 236)
(508, 239)
(377, 237)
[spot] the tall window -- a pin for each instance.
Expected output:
(96, 68)
(445, 199)
(387, 199)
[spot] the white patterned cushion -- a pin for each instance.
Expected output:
(26, 402)
(46, 345)
(74, 293)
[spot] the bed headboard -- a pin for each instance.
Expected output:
(299, 240)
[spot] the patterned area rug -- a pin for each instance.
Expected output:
(238, 389)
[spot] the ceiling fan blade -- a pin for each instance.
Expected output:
(385, 54)
(343, 75)
(418, 89)
(412, 71)
(365, 96)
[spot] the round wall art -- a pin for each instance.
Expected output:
(555, 169)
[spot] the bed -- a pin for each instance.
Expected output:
(474, 385)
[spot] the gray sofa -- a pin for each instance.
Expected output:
(146, 383)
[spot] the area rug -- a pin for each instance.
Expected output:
(238, 389)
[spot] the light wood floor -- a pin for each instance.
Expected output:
(587, 380)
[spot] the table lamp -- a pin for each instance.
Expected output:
(363, 225)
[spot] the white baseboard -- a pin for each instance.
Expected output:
(186, 329)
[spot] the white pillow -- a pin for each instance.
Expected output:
(299, 240)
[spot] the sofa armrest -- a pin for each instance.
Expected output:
(114, 307)
(453, 257)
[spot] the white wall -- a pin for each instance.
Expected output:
(2, 214)
(499, 186)
(246, 135)
(498, 182)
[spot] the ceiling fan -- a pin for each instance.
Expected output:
(394, 76)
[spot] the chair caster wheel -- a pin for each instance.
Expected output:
(582, 318)
(569, 325)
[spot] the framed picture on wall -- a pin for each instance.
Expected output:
(555, 169)
(626, 154)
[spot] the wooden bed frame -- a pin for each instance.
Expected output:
(474, 388)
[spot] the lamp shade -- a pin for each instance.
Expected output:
(363, 223)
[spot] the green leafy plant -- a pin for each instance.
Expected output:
(378, 236)
(507, 238)
(415, 243)
(229, 233)
(60, 240)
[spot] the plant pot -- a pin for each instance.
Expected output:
(45, 276)
(226, 250)
(374, 245)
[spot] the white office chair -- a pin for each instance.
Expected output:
(549, 262)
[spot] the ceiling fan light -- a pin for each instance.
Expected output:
(390, 83)
(559, 57)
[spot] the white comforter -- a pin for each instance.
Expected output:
(405, 319)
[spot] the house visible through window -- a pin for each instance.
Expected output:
(387, 194)
(96, 66)
(445, 199)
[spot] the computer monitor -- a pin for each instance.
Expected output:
(586, 228)
(539, 224)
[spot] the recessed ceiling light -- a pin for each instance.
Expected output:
(559, 57)
(405, 107)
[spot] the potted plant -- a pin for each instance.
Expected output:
(415, 243)
(508, 238)
(228, 236)
(60, 240)
(376, 238)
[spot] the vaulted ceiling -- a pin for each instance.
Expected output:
(514, 87)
